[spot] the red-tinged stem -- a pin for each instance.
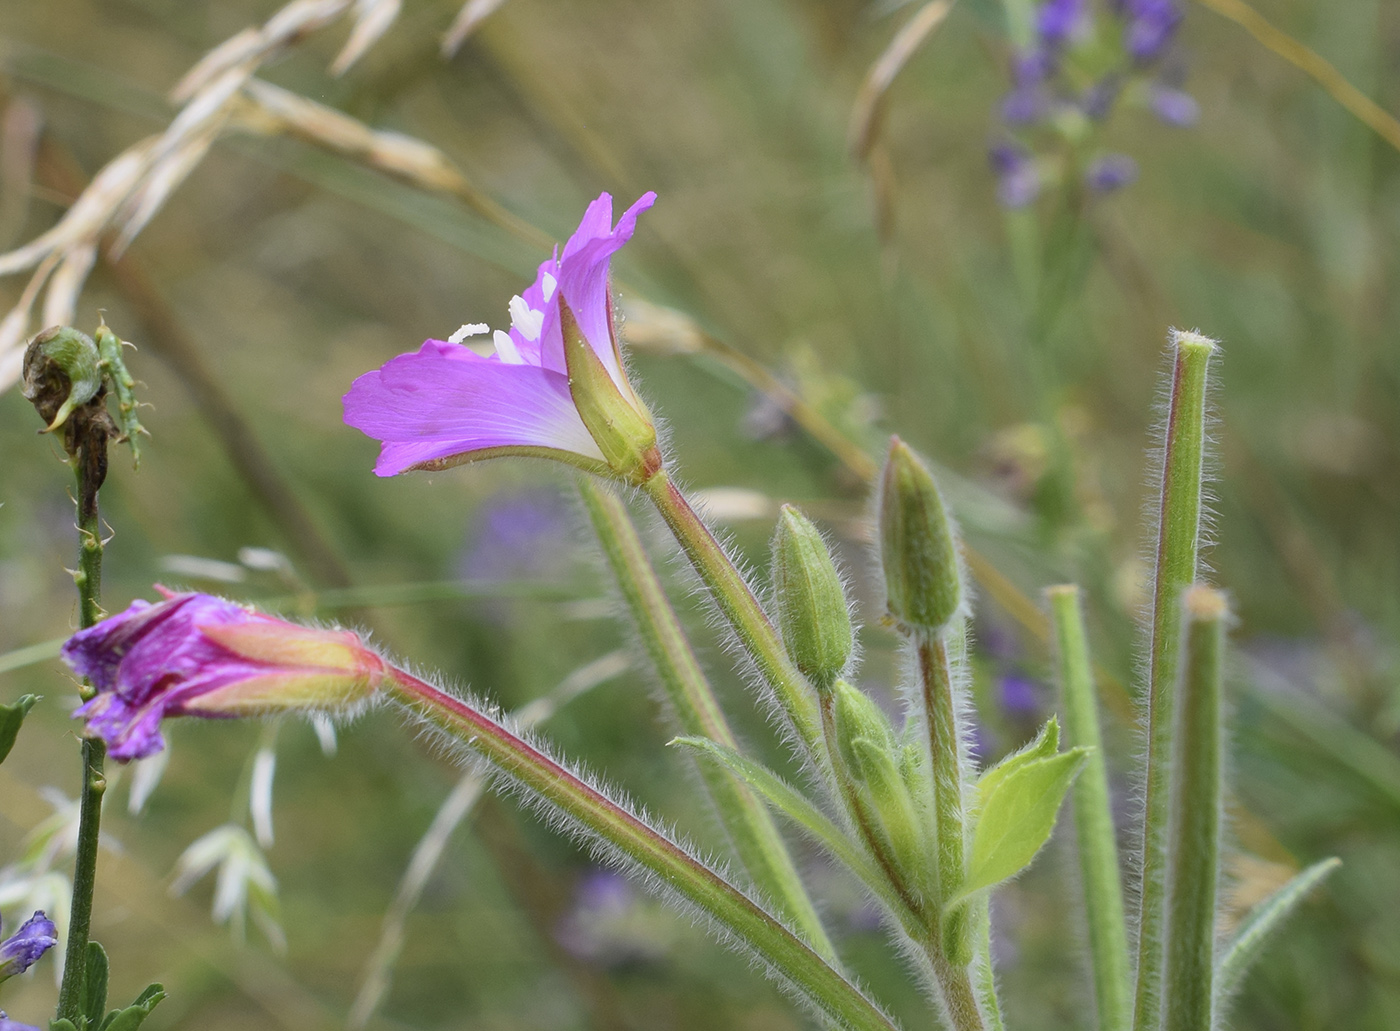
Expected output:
(595, 815)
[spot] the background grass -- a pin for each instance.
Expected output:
(1272, 225)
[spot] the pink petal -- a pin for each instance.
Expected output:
(431, 405)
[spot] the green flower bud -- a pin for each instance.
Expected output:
(918, 545)
(62, 370)
(812, 613)
(871, 757)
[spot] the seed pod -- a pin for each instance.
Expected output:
(918, 545)
(812, 613)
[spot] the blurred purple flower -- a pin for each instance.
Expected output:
(610, 925)
(445, 404)
(193, 654)
(1058, 21)
(1151, 27)
(518, 535)
(1018, 179)
(22, 949)
(1017, 695)
(1110, 172)
(6, 1024)
(1098, 100)
(1029, 100)
(1174, 106)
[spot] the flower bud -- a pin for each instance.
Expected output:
(23, 948)
(812, 613)
(62, 370)
(193, 654)
(918, 545)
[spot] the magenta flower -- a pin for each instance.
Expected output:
(555, 386)
(22, 949)
(197, 655)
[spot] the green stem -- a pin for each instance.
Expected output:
(1093, 817)
(956, 988)
(945, 762)
(986, 975)
(597, 816)
(745, 819)
(1178, 545)
(90, 463)
(745, 614)
(1195, 829)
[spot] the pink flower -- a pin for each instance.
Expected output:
(193, 654)
(555, 386)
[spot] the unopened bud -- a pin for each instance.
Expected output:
(193, 654)
(812, 613)
(858, 718)
(918, 545)
(62, 370)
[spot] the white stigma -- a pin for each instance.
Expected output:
(548, 285)
(506, 349)
(471, 329)
(524, 318)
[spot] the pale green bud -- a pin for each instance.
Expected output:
(812, 613)
(62, 371)
(918, 545)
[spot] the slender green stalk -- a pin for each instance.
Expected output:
(945, 761)
(597, 816)
(1178, 546)
(986, 976)
(1195, 825)
(958, 992)
(746, 820)
(90, 463)
(745, 614)
(1093, 817)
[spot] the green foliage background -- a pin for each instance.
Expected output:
(1273, 225)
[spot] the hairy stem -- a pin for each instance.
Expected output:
(1093, 817)
(1195, 828)
(1178, 547)
(945, 761)
(750, 828)
(742, 609)
(90, 463)
(591, 812)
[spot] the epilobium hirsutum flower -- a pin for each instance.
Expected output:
(22, 949)
(197, 655)
(555, 386)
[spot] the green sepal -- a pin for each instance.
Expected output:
(131, 1018)
(857, 717)
(1018, 814)
(121, 383)
(797, 808)
(618, 422)
(67, 1025)
(11, 718)
(94, 1000)
(1259, 928)
(1046, 744)
(810, 601)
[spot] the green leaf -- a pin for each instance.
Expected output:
(1018, 815)
(94, 1000)
(1046, 744)
(11, 716)
(1259, 928)
(131, 1018)
(63, 1025)
(797, 808)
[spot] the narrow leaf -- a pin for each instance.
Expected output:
(95, 984)
(797, 808)
(11, 716)
(1017, 818)
(1046, 744)
(1260, 927)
